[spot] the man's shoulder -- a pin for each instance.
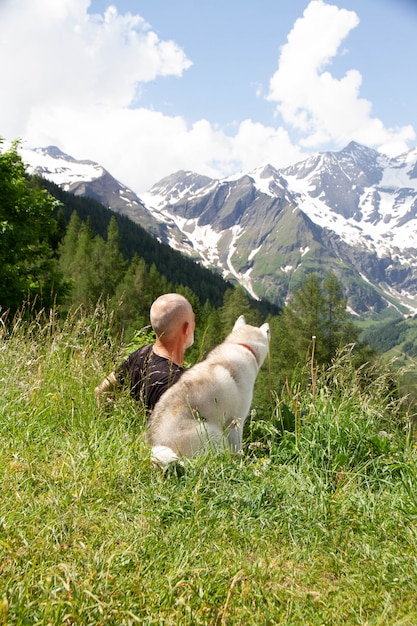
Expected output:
(144, 349)
(140, 354)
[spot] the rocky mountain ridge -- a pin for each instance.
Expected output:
(352, 212)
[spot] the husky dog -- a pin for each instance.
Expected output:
(209, 404)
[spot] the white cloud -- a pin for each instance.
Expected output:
(255, 144)
(324, 109)
(74, 83)
(73, 79)
(56, 54)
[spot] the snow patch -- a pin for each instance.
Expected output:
(60, 170)
(253, 253)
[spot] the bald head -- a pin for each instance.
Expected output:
(169, 313)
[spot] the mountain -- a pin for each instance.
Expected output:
(87, 178)
(352, 212)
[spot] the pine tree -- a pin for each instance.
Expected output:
(213, 332)
(83, 272)
(129, 302)
(156, 284)
(68, 247)
(111, 264)
(94, 266)
(235, 303)
(318, 310)
(303, 319)
(336, 327)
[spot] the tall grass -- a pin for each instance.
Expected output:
(310, 526)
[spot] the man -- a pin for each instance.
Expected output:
(150, 370)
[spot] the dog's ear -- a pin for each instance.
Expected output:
(239, 322)
(266, 330)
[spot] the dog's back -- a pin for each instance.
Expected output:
(211, 400)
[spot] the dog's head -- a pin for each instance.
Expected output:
(254, 338)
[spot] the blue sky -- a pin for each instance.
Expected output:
(147, 87)
(234, 46)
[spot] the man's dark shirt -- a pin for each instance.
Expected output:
(148, 375)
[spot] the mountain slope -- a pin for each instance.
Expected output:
(178, 269)
(352, 212)
(87, 178)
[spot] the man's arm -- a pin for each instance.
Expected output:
(108, 384)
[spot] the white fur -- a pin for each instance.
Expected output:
(162, 455)
(209, 404)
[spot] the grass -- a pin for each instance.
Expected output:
(313, 526)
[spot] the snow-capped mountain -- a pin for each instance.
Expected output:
(352, 212)
(87, 178)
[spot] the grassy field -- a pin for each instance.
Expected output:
(316, 526)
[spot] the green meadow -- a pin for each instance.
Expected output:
(316, 522)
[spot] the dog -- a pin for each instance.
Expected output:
(207, 407)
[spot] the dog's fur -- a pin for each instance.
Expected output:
(209, 404)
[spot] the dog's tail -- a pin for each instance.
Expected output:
(163, 456)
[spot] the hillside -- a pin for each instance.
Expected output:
(178, 269)
(396, 339)
(315, 526)
(351, 212)
(134, 239)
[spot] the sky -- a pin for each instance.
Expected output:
(150, 87)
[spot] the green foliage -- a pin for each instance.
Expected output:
(134, 240)
(351, 400)
(131, 302)
(313, 526)
(400, 333)
(94, 267)
(106, 258)
(398, 340)
(318, 309)
(236, 302)
(213, 330)
(28, 269)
